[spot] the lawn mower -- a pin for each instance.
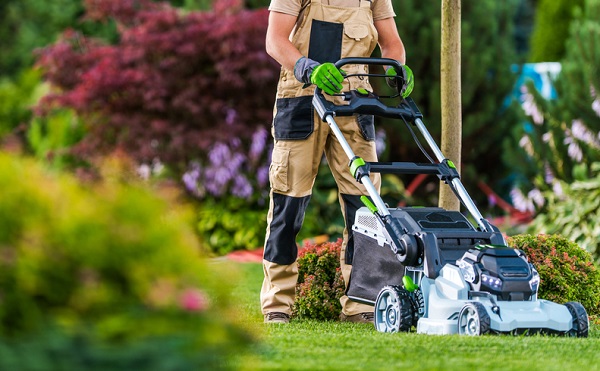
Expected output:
(427, 267)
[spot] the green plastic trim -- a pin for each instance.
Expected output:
(358, 162)
(490, 246)
(365, 200)
(362, 91)
(451, 164)
(409, 284)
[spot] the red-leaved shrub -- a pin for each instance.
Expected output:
(173, 85)
(320, 283)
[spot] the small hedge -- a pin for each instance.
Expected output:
(109, 266)
(320, 283)
(567, 271)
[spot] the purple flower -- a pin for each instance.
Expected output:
(241, 187)
(216, 179)
(258, 145)
(190, 178)
(230, 116)
(235, 142)
(236, 162)
(262, 176)
(219, 154)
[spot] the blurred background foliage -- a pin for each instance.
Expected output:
(557, 150)
(135, 142)
(173, 86)
(107, 275)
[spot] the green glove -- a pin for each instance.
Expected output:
(327, 77)
(407, 78)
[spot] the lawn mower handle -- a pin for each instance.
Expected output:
(368, 60)
(368, 103)
(363, 102)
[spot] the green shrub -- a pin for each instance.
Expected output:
(111, 263)
(320, 283)
(567, 272)
(231, 223)
(50, 137)
(17, 96)
(55, 349)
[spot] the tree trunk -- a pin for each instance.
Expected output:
(451, 94)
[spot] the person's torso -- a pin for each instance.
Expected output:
(326, 31)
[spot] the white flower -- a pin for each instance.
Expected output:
(525, 143)
(547, 137)
(596, 106)
(557, 189)
(144, 171)
(536, 196)
(521, 202)
(531, 109)
(573, 149)
(581, 132)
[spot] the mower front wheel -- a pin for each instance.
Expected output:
(473, 320)
(393, 310)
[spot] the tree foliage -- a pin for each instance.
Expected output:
(29, 24)
(551, 29)
(173, 85)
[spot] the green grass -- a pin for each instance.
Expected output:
(313, 345)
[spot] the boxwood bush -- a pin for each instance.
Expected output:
(567, 271)
(112, 267)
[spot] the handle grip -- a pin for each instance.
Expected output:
(367, 103)
(367, 60)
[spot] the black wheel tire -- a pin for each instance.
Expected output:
(581, 322)
(473, 320)
(393, 310)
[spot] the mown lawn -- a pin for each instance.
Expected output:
(312, 345)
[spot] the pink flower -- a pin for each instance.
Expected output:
(193, 300)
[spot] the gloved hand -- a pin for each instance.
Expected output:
(326, 76)
(406, 76)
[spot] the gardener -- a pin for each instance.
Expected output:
(305, 36)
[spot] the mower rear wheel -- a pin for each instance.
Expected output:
(393, 310)
(473, 320)
(581, 322)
